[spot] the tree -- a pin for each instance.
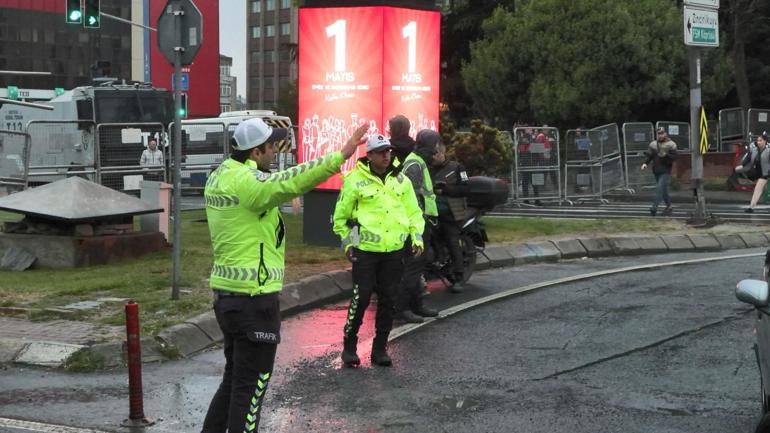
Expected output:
(584, 63)
(484, 151)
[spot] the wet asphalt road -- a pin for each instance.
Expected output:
(666, 350)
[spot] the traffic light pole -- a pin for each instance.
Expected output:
(177, 146)
(123, 20)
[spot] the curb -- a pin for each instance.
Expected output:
(202, 332)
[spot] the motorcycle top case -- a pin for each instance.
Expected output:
(486, 192)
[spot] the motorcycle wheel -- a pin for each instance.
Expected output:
(469, 257)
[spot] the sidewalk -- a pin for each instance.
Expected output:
(54, 343)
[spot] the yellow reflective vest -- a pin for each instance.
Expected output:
(417, 171)
(383, 213)
(247, 231)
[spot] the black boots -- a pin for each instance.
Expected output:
(349, 356)
(379, 351)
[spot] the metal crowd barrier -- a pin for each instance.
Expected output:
(636, 139)
(14, 159)
(119, 153)
(758, 122)
(732, 129)
(204, 147)
(678, 132)
(536, 164)
(592, 162)
(61, 148)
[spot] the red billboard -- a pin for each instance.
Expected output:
(203, 93)
(364, 65)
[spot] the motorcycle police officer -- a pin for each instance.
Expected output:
(247, 236)
(451, 187)
(375, 214)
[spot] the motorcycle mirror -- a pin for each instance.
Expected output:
(752, 292)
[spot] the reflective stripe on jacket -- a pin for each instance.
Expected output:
(385, 213)
(246, 228)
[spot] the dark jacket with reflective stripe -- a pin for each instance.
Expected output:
(247, 231)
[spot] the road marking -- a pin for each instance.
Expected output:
(405, 329)
(43, 428)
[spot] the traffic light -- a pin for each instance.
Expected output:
(74, 13)
(91, 14)
(183, 105)
(13, 93)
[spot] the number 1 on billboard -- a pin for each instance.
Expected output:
(410, 32)
(337, 31)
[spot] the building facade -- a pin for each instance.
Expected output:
(228, 86)
(272, 28)
(39, 50)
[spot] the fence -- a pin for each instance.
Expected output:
(536, 164)
(758, 122)
(120, 148)
(592, 155)
(678, 132)
(60, 149)
(732, 128)
(636, 139)
(204, 147)
(14, 157)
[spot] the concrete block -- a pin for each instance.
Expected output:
(597, 247)
(16, 259)
(678, 243)
(111, 354)
(152, 350)
(704, 242)
(499, 256)
(754, 240)
(207, 322)
(315, 289)
(482, 262)
(651, 245)
(9, 349)
(186, 338)
(289, 298)
(624, 246)
(730, 242)
(570, 248)
(545, 251)
(522, 254)
(343, 279)
(46, 354)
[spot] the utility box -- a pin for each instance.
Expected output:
(157, 194)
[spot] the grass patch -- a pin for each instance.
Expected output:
(83, 361)
(527, 229)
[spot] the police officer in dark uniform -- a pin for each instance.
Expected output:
(451, 188)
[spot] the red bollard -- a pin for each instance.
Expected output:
(136, 416)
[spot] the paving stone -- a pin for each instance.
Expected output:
(46, 353)
(545, 251)
(522, 254)
(186, 338)
(570, 248)
(754, 240)
(730, 242)
(651, 245)
(705, 242)
(207, 322)
(678, 243)
(624, 245)
(597, 247)
(499, 256)
(9, 349)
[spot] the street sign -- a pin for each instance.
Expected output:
(701, 27)
(191, 23)
(708, 4)
(185, 82)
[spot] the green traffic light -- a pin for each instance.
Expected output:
(92, 20)
(75, 16)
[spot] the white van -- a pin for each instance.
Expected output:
(206, 143)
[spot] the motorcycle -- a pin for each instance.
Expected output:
(755, 293)
(484, 194)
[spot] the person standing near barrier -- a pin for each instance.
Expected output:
(376, 212)
(428, 150)
(662, 153)
(549, 158)
(757, 168)
(247, 236)
(151, 157)
(526, 161)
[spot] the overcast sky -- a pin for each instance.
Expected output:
(232, 38)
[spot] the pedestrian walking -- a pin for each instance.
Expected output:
(247, 236)
(429, 150)
(662, 153)
(376, 212)
(757, 168)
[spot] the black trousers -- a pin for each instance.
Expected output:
(374, 272)
(409, 291)
(252, 329)
(449, 232)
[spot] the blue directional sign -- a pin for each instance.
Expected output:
(185, 86)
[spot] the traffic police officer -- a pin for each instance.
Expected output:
(375, 213)
(247, 235)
